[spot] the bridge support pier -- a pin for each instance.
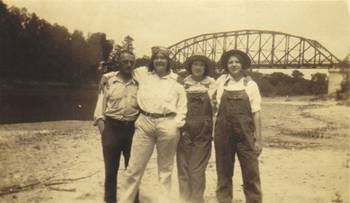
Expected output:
(336, 76)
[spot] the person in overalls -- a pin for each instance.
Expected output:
(163, 107)
(194, 147)
(115, 113)
(237, 128)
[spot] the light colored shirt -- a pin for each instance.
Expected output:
(161, 94)
(249, 86)
(208, 84)
(117, 100)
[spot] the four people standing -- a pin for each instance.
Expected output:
(168, 114)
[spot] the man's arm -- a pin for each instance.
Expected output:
(99, 111)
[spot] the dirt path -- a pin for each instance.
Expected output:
(306, 158)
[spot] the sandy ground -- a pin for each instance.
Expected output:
(306, 158)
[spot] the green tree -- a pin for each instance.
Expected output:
(78, 56)
(127, 44)
(31, 49)
(94, 46)
(265, 87)
(279, 78)
(112, 60)
(144, 61)
(296, 74)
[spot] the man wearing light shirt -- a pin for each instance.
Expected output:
(115, 114)
(163, 106)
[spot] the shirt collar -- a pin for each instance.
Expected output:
(171, 75)
(117, 78)
(190, 80)
(242, 80)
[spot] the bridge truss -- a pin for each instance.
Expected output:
(267, 49)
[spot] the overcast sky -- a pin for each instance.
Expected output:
(166, 22)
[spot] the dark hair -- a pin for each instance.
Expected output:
(204, 59)
(241, 56)
(116, 58)
(151, 65)
(206, 71)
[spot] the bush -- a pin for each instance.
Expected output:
(280, 84)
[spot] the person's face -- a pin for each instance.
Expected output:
(234, 66)
(160, 63)
(127, 62)
(198, 68)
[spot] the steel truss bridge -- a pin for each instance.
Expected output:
(267, 49)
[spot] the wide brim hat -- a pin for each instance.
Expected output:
(245, 60)
(208, 64)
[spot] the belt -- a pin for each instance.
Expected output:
(120, 121)
(157, 115)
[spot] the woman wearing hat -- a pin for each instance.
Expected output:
(162, 101)
(237, 128)
(194, 148)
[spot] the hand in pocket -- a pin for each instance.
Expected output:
(101, 125)
(258, 147)
(185, 137)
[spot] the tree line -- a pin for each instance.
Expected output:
(32, 49)
(280, 84)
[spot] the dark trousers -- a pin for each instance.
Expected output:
(116, 140)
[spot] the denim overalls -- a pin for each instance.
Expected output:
(234, 133)
(194, 148)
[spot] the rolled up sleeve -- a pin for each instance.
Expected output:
(100, 107)
(255, 97)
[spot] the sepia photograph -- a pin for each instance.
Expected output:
(174, 101)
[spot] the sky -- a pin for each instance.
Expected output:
(156, 22)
